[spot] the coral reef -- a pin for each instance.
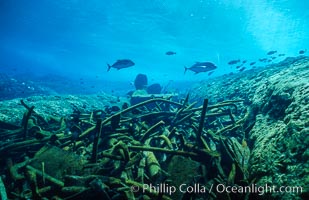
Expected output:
(58, 105)
(278, 129)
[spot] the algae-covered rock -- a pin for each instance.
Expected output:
(57, 162)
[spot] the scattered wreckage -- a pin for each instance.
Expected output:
(155, 142)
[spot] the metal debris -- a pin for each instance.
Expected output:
(91, 155)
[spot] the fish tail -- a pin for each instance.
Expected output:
(108, 67)
(185, 69)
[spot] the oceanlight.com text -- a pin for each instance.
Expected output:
(260, 190)
(219, 188)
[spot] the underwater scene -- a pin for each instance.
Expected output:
(154, 99)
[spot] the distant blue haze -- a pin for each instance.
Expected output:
(77, 38)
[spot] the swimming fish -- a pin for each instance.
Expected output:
(271, 52)
(120, 64)
(302, 51)
(210, 73)
(201, 67)
(281, 54)
(232, 62)
(242, 69)
(252, 63)
(263, 59)
(169, 53)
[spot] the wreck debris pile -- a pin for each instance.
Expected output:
(96, 154)
(76, 147)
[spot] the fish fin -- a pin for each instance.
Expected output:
(185, 69)
(108, 67)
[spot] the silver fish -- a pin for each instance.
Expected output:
(120, 64)
(233, 62)
(201, 67)
(271, 52)
(169, 53)
(302, 51)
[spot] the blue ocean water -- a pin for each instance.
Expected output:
(76, 39)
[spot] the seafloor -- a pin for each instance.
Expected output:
(241, 136)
